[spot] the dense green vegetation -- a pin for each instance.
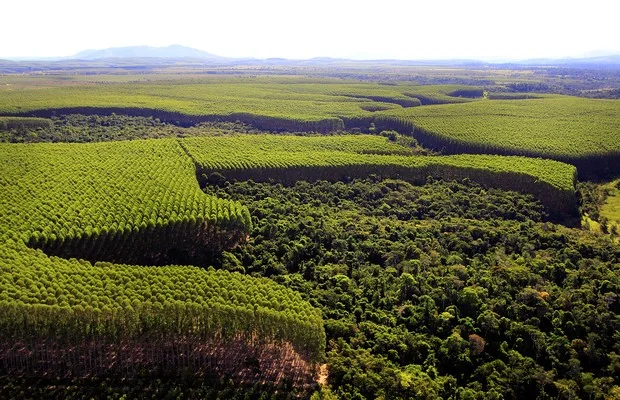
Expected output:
(259, 151)
(132, 202)
(83, 199)
(288, 159)
(555, 127)
(190, 254)
(77, 128)
(444, 290)
(253, 148)
(82, 128)
(285, 98)
(71, 302)
(139, 202)
(551, 126)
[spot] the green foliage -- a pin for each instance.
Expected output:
(289, 159)
(248, 148)
(17, 123)
(552, 127)
(351, 152)
(108, 302)
(264, 97)
(78, 128)
(76, 191)
(441, 290)
(592, 198)
(449, 289)
(128, 198)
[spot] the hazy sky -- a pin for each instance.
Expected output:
(366, 29)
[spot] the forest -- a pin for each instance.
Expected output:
(181, 236)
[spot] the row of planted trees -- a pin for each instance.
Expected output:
(225, 341)
(606, 164)
(551, 182)
(69, 318)
(597, 158)
(184, 240)
(134, 202)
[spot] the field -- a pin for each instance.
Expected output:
(245, 235)
(576, 130)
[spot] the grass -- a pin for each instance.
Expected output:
(610, 211)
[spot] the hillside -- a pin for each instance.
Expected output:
(173, 51)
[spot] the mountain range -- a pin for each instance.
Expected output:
(173, 51)
(147, 55)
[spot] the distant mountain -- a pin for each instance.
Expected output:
(145, 58)
(174, 51)
(179, 52)
(580, 62)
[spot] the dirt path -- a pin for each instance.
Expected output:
(323, 374)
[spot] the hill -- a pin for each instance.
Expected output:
(173, 51)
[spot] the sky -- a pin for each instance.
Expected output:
(301, 29)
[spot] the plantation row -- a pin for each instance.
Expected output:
(136, 202)
(554, 127)
(553, 183)
(58, 192)
(267, 104)
(139, 202)
(244, 146)
(560, 127)
(302, 99)
(451, 133)
(72, 302)
(301, 103)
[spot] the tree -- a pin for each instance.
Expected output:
(476, 344)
